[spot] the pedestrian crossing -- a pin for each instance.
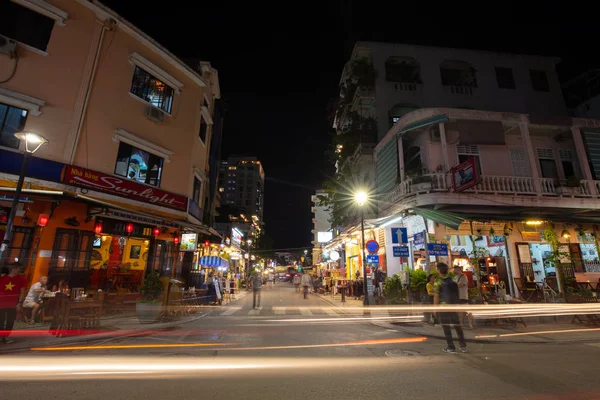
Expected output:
(297, 311)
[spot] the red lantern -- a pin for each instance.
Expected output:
(207, 243)
(176, 240)
(43, 220)
(129, 227)
(156, 231)
(98, 227)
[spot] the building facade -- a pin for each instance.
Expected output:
(242, 184)
(125, 172)
(321, 231)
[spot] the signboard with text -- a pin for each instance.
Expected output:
(122, 187)
(401, 251)
(419, 238)
(188, 242)
(372, 259)
(437, 249)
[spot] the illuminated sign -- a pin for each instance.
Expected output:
(324, 237)
(236, 238)
(188, 242)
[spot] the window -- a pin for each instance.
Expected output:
(12, 120)
(71, 257)
(505, 78)
(196, 192)
(162, 257)
(547, 163)
(203, 130)
(138, 165)
(148, 88)
(458, 73)
(24, 25)
(402, 69)
(20, 245)
(520, 163)
(567, 160)
(539, 80)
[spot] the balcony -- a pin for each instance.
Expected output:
(460, 90)
(364, 97)
(492, 185)
(408, 87)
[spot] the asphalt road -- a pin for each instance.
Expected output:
(296, 348)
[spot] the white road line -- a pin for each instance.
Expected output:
(231, 310)
(255, 312)
(305, 311)
(329, 311)
(279, 310)
(379, 313)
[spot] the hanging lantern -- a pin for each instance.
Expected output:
(43, 220)
(207, 243)
(98, 227)
(156, 231)
(176, 240)
(129, 227)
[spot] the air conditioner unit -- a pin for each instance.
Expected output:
(155, 115)
(8, 46)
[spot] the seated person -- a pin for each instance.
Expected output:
(61, 288)
(33, 298)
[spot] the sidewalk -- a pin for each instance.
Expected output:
(121, 325)
(534, 332)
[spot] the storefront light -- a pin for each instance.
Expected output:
(156, 231)
(534, 223)
(129, 227)
(565, 234)
(98, 227)
(176, 240)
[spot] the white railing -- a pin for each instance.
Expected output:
(503, 185)
(407, 87)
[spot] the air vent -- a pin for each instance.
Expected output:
(467, 149)
(545, 153)
(8, 46)
(155, 115)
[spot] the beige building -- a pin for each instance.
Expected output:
(128, 124)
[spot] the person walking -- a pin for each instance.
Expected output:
(463, 294)
(12, 295)
(256, 280)
(445, 291)
(296, 281)
(429, 316)
(306, 282)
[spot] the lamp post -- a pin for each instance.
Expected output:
(249, 270)
(33, 142)
(361, 198)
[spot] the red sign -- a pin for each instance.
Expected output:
(465, 175)
(122, 187)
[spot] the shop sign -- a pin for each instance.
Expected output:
(419, 238)
(531, 236)
(194, 210)
(401, 251)
(39, 168)
(334, 255)
(399, 236)
(236, 238)
(372, 259)
(188, 242)
(437, 249)
(122, 187)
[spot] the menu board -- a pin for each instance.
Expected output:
(524, 253)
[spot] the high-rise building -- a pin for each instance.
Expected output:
(242, 184)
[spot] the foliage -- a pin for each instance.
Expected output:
(474, 256)
(556, 256)
(418, 280)
(151, 288)
(394, 292)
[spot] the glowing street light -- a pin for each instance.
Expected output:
(361, 198)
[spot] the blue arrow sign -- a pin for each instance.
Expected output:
(372, 259)
(401, 251)
(399, 236)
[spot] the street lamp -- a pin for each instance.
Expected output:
(249, 269)
(361, 198)
(33, 142)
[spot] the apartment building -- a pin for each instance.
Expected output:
(242, 184)
(124, 180)
(322, 231)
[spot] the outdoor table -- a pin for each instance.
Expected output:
(72, 313)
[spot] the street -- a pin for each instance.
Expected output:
(296, 348)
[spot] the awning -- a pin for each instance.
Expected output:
(213, 261)
(423, 123)
(448, 219)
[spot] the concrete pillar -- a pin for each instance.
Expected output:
(582, 156)
(532, 156)
(444, 147)
(400, 148)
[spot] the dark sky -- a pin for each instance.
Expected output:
(279, 65)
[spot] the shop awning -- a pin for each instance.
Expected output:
(445, 218)
(423, 123)
(213, 261)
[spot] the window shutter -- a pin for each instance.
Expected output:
(545, 154)
(519, 161)
(467, 149)
(566, 155)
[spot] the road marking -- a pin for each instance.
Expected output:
(379, 313)
(279, 310)
(305, 311)
(255, 311)
(231, 310)
(329, 311)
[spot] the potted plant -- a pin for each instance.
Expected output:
(418, 283)
(149, 306)
(572, 186)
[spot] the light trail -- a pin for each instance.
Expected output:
(538, 333)
(131, 346)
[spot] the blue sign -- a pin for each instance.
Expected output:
(372, 247)
(401, 251)
(372, 259)
(194, 210)
(399, 236)
(39, 168)
(419, 238)
(437, 249)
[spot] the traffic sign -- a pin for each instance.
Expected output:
(372, 259)
(401, 251)
(419, 238)
(437, 249)
(372, 246)
(399, 236)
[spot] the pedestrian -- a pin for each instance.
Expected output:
(296, 281)
(445, 292)
(306, 282)
(463, 295)
(429, 316)
(256, 287)
(33, 298)
(12, 294)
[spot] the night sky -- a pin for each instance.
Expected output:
(279, 66)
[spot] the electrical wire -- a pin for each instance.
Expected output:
(14, 71)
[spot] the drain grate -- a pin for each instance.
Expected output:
(403, 353)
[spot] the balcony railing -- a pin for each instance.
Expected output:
(496, 185)
(460, 90)
(408, 87)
